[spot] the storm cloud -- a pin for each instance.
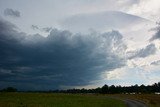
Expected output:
(157, 34)
(11, 12)
(156, 62)
(60, 59)
(142, 53)
(45, 29)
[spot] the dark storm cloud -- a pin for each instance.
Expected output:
(142, 53)
(45, 29)
(156, 62)
(11, 12)
(61, 59)
(157, 34)
(35, 27)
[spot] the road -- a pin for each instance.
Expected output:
(133, 103)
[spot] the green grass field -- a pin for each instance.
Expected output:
(56, 100)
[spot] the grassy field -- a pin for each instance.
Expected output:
(151, 100)
(56, 100)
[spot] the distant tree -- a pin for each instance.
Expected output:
(136, 89)
(158, 86)
(105, 89)
(9, 89)
(97, 90)
(112, 89)
(143, 89)
(119, 89)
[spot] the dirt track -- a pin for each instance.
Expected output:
(133, 103)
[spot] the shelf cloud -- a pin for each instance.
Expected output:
(60, 59)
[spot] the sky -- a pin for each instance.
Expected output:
(61, 44)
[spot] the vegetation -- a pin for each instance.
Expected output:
(116, 89)
(131, 89)
(57, 100)
(9, 89)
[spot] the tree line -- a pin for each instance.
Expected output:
(135, 89)
(106, 89)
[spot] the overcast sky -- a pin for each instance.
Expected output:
(49, 44)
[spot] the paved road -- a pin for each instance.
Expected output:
(133, 103)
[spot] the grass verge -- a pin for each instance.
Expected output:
(57, 100)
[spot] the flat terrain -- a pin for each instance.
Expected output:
(77, 100)
(57, 100)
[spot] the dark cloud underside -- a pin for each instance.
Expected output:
(156, 62)
(45, 29)
(157, 34)
(11, 12)
(142, 53)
